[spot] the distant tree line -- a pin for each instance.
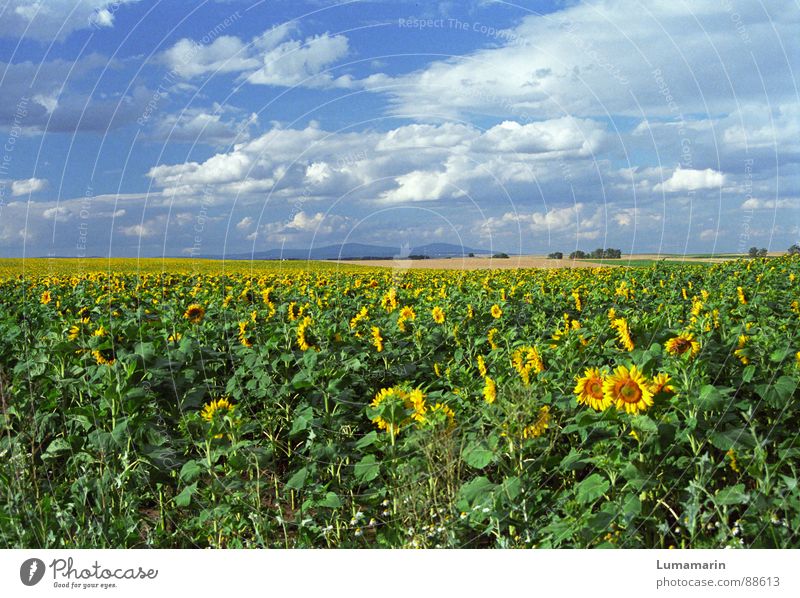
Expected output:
(756, 252)
(597, 254)
(794, 249)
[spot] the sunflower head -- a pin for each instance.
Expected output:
(662, 383)
(589, 390)
(218, 408)
(489, 390)
(438, 315)
(682, 344)
(628, 390)
(496, 311)
(194, 313)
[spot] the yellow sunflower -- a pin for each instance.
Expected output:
(538, 427)
(489, 390)
(481, 366)
(661, 383)
(302, 329)
(218, 407)
(377, 340)
(496, 311)
(438, 315)
(46, 298)
(628, 390)
(682, 343)
(194, 313)
(589, 390)
(623, 333)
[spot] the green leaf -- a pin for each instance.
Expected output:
(367, 469)
(642, 423)
(190, 470)
(591, 488)
(56, 448)
(732, 438)
(735, 495)
(298, 480)
(367, 440)
(632, 506)
(712, 398)
(477, 455)
(303, 416)
(748, 373)
(331, 500)
(184, 498)
(477, 491)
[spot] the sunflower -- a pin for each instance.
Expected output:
(740, 349)
(218, 407)
(628, 389)
(682, 343)
(525, 360)
(661, 383)
(481, 366)
(302, 328)
(438, 315)
(46, 298)
(496, 311)
(470, 312)
(490, 337)
(489, 390)
(243, 337)
(623, 333)
(740, 295)
(441, 414)
(377, 340)
(194, 313)
(589, 390)
(74, 332)
(406, 313)
(538, 427)
(104, 357)
(292, 313)
(577, 296)
(395, 403)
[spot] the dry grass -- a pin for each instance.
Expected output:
(476, 263)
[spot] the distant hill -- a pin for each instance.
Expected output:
(353, 251)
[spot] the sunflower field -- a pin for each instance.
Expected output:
(183, 405)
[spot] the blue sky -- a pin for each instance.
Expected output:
(179, 128)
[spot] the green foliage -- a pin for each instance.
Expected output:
(123, 423)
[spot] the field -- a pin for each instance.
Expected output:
(201, 404)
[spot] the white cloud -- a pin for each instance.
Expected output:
(687, 179)
(593, 58)
(708, 234)
(27, 186)
(245, 223)
(770, 204)
(58, 213)
(301, 63)
(48, 20)
(406, 164)
(271, 58)
(226, 54)
(199, 126)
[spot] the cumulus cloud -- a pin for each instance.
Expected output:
(406, 164)
(272, 58)
(195, 125)
(50, 20)
(770, 204)
(687, 179)
(27, 186)
(590, 59)
(225, 54)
